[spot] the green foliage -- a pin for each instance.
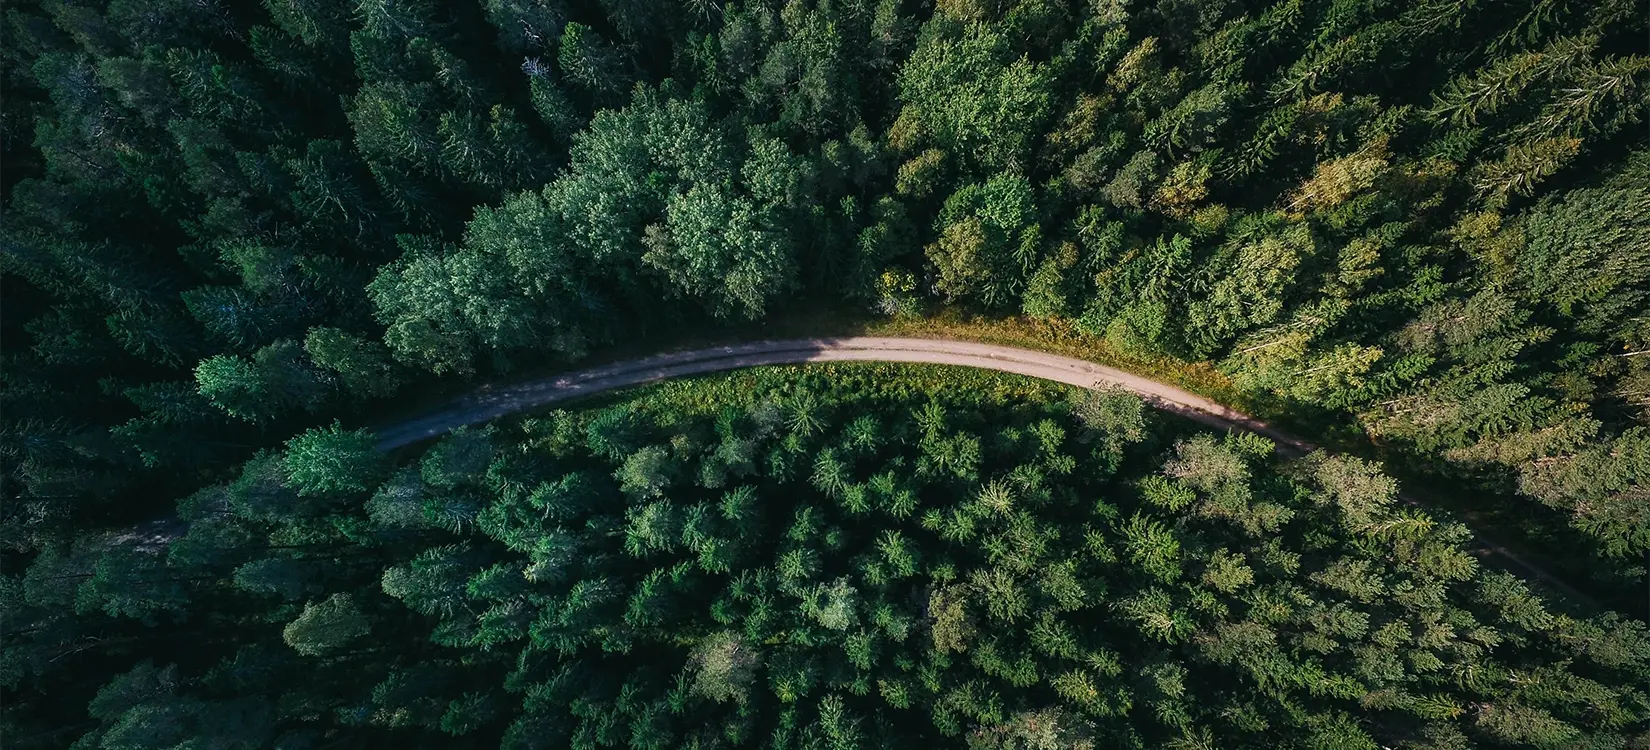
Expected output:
(1112, 416)
(331, 460)
(460, 458)
(711, 242)
(273, 383)
(724, 666)
(988, 240)
(590, 61)
(225, 225)
(364, 366)
(325, 626)
(1213, 570)
(966, 91)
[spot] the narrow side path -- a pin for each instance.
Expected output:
(491, 402)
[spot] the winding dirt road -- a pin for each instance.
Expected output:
(491, 402)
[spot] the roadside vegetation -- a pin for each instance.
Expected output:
(839, 556)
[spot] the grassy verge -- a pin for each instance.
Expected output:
(1331, 430)
(841, 383)
(814, 322)
(1062, 339)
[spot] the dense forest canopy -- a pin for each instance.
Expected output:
(227, 222)
(842, 557)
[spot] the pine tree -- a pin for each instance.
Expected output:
(590, 62)
(274, 382)
(323, 461)
(964, 89)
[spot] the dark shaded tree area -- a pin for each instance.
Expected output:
(839, 559)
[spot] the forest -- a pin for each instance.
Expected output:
(233, 232)
(842, 557)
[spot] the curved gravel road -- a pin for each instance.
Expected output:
(491, 402)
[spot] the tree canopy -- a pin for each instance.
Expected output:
(929, 558)
(1419, 227)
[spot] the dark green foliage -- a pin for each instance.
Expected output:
(331, 460)
(325, 626)
(988, 242)
(228, 222)
(968, 93)
(364, 366)
(276, 381)
(1093, 577)
(1291, 190)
